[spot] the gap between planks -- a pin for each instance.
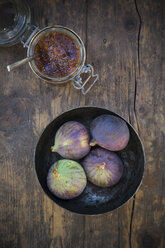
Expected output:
(138, 128)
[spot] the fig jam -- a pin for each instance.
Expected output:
(59, 54)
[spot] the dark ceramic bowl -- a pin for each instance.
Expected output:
(94, 200)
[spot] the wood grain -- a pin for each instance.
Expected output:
(124, 43)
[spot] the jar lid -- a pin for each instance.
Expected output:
(14, 19)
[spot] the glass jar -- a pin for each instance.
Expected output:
(14, 20)
(75, 76)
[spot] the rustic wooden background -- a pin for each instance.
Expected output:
(124, 42)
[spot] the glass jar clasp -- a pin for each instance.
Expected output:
(30, 32)
(79, 84)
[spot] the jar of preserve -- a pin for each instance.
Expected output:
(59, 52)
(61, 57)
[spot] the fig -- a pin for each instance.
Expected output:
(71, 140)
(103, 168)
(66, 179)
(109, 132)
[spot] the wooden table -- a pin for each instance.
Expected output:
(124, 43)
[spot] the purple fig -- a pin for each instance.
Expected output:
(71, 140)
(103, 168)
(109, 132)
(66, 179)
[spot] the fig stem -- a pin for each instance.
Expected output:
(93, 143)
(53, 149)
(55, 172)
(102, 165)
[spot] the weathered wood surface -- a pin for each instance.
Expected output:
(124, 43)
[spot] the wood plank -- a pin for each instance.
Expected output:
(29, 218)
(149, 212)
(112, 45)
